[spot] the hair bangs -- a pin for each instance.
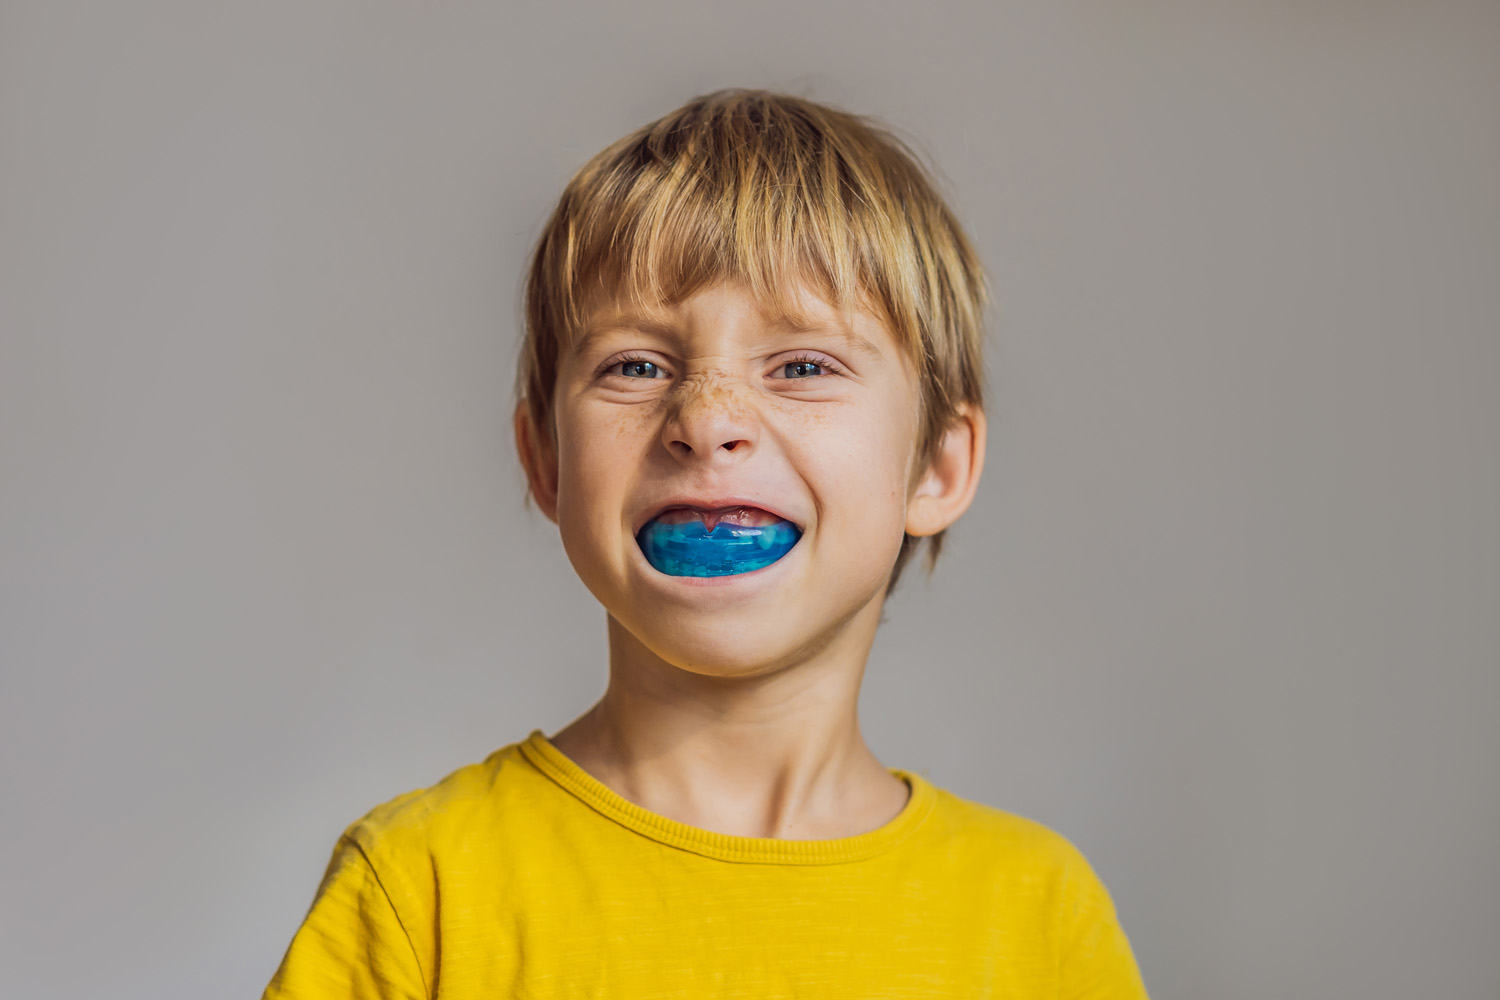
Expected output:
(663, 217)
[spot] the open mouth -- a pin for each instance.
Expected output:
(719, 541)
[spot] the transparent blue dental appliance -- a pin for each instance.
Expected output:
(691, 550)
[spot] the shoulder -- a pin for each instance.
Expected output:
(1018, 858)
(1031, 873)
(468, 800)
(372, 918)
(997, 833)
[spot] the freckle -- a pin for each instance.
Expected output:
(808, 416)
(622, 424)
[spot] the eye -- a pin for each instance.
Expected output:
(636, 368)
(805, 369)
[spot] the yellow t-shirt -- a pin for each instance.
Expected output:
(525, 877)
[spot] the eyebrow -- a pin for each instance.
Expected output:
(618, 322)
(840, 332)
(785, 326)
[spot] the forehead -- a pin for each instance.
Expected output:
(860, 326)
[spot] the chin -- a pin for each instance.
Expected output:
(733, 646)
(719, 652)
(737, 626)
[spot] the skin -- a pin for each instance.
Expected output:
(731, 703)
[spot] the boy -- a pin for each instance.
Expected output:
(750, 386)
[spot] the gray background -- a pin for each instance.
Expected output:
(1225, 613)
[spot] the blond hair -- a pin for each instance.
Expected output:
(774, 190)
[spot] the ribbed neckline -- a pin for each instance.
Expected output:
(744, 850)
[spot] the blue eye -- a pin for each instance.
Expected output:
(639, 369)
(801, 369)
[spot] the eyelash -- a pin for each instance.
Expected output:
(829, 368)
(629, 359)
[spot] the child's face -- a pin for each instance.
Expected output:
(713, 404)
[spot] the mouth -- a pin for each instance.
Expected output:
(684, 540)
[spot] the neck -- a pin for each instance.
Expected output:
(778, 754)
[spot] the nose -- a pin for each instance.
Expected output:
(710, 420)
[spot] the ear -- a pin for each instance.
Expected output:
(539, 459)
(946, 488)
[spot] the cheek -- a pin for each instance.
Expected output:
(858, 459)
(598, 452)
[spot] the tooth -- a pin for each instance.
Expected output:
(740, 516)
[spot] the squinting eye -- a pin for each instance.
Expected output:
(801, 369)
(638, 369)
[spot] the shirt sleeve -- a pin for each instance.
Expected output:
(1097, 961)
(353, 945)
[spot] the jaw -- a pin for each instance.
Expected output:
(793, 612)
(733, 647)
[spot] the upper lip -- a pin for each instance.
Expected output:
(702, 502)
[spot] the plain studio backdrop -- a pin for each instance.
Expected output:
(1226, 613)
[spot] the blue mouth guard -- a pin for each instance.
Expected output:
(691, 550)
